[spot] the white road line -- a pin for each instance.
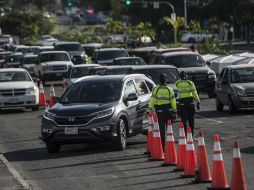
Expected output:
(15, 173)
(214, 120)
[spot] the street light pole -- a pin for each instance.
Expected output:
(185, 11)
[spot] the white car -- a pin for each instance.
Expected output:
(52, 65)
(192, 37)
(17, 89)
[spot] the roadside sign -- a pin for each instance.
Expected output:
(173, 16)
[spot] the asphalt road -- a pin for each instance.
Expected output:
(99, 167)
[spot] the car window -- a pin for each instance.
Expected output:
(104, 55)
(149, 85)
(181, 61)
(69, 47)
(141, 87)
(129, 89)
(221, 75)
(14, 76)
(243, 75)
(91, 92)
(54, 57)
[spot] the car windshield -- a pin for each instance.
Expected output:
(181, 61)
(104, 55)
(69, 47)
(54, 57)
(243, 75)
(12, 76)
(134, 61)
(29, 60)
(119, 71)
(172, 74)
(78, 72)
(13, 59)
(93, 92)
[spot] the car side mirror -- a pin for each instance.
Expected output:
(208, 63)
(55, 99)
(131, 97)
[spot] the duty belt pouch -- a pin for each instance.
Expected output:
(163, 108)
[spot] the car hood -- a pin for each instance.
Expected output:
(79, 109)
(105, 62)
(194, 69)
(57, 63)
(16, 85)
(249, 87)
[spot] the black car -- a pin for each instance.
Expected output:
(98, 109)
(105, 56)
(75, 51)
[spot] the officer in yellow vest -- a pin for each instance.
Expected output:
(187, 94)
(164, 102)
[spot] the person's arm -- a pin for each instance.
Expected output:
(153, 100)
(172, 99)
(194, 92)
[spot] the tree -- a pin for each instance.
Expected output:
(115, 27)
(176, 24)
(243, 14)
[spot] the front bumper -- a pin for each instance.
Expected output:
(103, 131)
(28, 100)
(243, 102)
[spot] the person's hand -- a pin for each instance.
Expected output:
(198, 106)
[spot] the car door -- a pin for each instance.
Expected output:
(143, 101)
(224, 86)
(130, 106)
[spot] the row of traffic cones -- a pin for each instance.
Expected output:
(185, 159)
(42, 96)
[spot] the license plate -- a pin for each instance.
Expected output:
(58, 74)
(13, 100)
(71, 130)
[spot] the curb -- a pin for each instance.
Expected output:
(15, 173)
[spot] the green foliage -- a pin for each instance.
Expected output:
(115, 27)
(213, 47)
(142, 29)
(194, 25)
(26, 24)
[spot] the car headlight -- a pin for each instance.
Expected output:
(49, 116)
(45, 68)
(104, 113)
(30, 90)
(241, 92)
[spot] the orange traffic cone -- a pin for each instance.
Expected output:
(157, 152)
(218, 173)
(190, 160)
(149, 134)
(170, 151)
(203, 173)
(181, 154)
(237, 179)
(52, 94)
(42, 97)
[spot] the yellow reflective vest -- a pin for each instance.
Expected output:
(162, 94)
(187, 89)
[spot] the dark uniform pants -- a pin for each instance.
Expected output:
(164, 114)
(187, 113)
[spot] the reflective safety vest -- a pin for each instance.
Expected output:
(162, 94)
(187, 89)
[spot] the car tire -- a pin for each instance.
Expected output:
(53, 148)
(120, 141)
(219, 105)
(232, 108)
(35, 108)
(211, 94)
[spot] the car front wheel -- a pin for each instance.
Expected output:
(53, 148)
(120, 143)
(219, 105)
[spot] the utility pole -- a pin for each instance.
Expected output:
(185, 11)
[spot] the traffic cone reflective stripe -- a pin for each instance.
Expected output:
(157, 152)
(190, 161)
(52, 94)
(42, 97)
(237, 178)
(181, 153)
(219, 178)
(170, 152)
(203, 173)
(149, 134)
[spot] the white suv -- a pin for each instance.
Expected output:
(52, 65)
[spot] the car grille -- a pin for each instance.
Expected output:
(58, 68)
(13, 92)
(250, 93)
(72, 120)
(199, 79)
